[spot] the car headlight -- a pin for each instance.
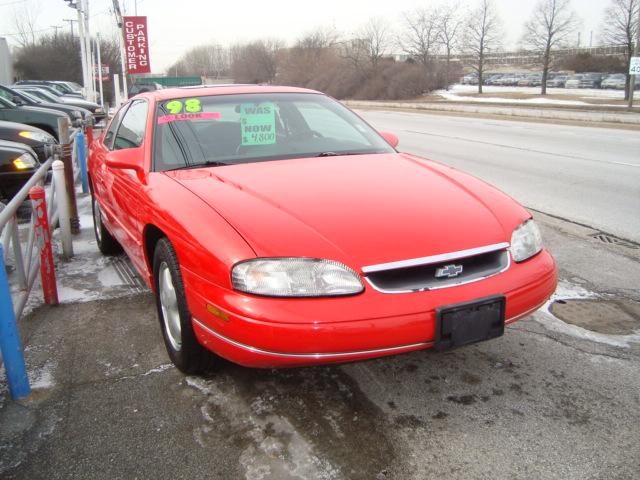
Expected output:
(38, 136)
(526, 241)
(295, 277)
(25, 161)
(98, 110)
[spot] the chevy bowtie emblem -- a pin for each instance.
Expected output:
(449, 271)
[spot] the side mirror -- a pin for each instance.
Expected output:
(390, 138)
(126, 159)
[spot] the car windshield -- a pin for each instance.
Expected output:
(28, 96)
(4, 103)
(219, 130)
(58, 88)
(44, 95)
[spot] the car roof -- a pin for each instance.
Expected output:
(230, 89)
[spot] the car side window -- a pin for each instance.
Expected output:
(113, 127)
(133, 126)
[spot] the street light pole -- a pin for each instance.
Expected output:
(83, 53)
(119, 21)
(632, 78)
(88, 49)
(100, 72)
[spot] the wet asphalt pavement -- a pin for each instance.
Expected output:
(547, 400)
(107, 404)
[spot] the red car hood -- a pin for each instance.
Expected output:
(361, 210)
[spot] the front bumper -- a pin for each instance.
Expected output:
(268, 332)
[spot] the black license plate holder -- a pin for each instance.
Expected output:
(470, 322)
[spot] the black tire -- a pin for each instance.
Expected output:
(106, 243)
(183, 348)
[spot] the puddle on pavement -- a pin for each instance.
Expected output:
(611, 317)
(299, 423)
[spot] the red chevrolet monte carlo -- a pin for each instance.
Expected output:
(277, 228)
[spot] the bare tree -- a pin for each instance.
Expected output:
(369, 45)
(620, 27)
(210, 61)
(49, 59)
(421, 35)
(25, 21)
(451, 25)
(311, 55)
(255, 62)
(551, 23)
(482, 35)
(318, 39)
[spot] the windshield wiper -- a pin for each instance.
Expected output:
(208, 163)
(337, 154)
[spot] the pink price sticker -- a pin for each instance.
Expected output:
(179, 117)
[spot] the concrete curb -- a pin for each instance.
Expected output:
(628, 118)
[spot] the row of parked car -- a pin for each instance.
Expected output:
(556, 80)
(29, 113)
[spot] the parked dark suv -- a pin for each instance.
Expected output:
(17, 163)
(43, 118)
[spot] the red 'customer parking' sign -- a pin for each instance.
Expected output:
(136, 43)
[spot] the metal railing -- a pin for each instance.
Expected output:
(27, 248)
(26, 260)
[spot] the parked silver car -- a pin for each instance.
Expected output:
(557, 81)
(574, 81)
(617, 81)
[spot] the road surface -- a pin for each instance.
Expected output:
(583, 174)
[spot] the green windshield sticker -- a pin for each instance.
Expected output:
(192, 105)
(258, 122)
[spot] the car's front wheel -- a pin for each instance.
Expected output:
(175, 319)
(106, 243)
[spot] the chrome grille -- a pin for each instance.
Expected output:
(417, 278)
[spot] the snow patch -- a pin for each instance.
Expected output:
(43, 377)
(582, 92)
(452, 97)
(275, 450)
(569, 291)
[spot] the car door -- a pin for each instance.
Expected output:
(126, 191)
(101, 178)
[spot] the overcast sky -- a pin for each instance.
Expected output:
(177, 25)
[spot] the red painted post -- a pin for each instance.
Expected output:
(89, 131)
(47, 269)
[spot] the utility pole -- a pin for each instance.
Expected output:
(71, 22)
(632, 79)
